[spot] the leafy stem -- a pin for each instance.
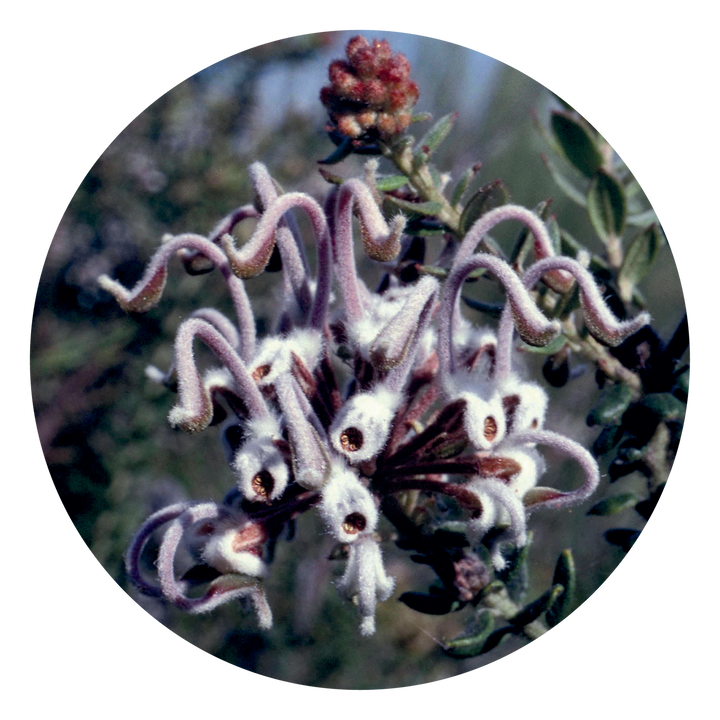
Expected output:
(421, 179)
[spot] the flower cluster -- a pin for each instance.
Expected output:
(371, 93)
(357, 396)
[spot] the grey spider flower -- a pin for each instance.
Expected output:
(355, 396)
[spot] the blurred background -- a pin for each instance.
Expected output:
(181, 166)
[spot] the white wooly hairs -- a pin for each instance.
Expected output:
(259, 453)
(484, 417)
(371, 413)
(366, 580)
(532, 466)
(344, 496)
(219, 554)
(467, 337)
(500, 505)
(379, 311)
(530, 411)
(479, 526)
(276, 352)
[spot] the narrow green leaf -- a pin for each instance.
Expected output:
(577, 143)
(331, 177)
(422, 225)
(489, 196)
(612, 405)
(641, 219)
(431, 207)
(436, 272)
(607, 439)
(516, 575)
(494, 311)
(554, 232)
(664, 405)
(682, 384)
(564, 576)
(434, 136)
(571, 247)
(639, 257)
(391, 182)
(472, 645)
(606, 205)
(344, 149)
(563, 183)
(463, 183)
(535, 609)
(555, 346)
(622, 537)
(421, 117)
(524, 243)
(645, 508)
(496, 638)
(613, 505)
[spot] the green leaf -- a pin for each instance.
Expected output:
(524, 243)
(421, 117)
(577, 143)
(391, 182)
(664, 405)
(472, 645)
(344, 149)
(489, 196)
(641, 219)
(431, 207)
(641, 254)
(515, 575)
(571, 247)
(565, 577)
(494, 311)
(607, 439)
(535, 609)
(331, 177)
(496, 638)
(622, 537)
(555, 346)
(682, 384)
(613, 505)
(432, 139)
(612, 405)
(434, 271)
(563, 183)
(463, 183)
(606, 205)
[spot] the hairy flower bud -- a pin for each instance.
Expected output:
(371, 93)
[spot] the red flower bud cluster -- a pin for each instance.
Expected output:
(371, 93)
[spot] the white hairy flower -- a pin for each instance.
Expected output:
(365, 581)
(363, 424)
(261, 470)
(347, 507)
